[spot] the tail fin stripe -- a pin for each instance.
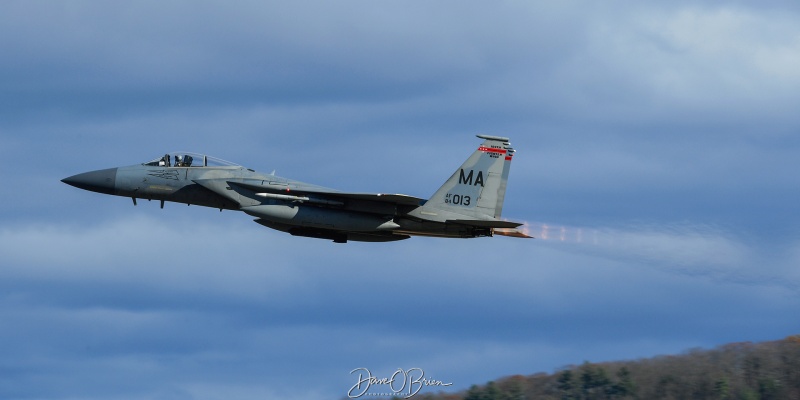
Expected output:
(491, 150)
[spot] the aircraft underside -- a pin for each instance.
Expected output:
(342, 236)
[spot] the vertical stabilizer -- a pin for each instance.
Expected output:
(478, 187)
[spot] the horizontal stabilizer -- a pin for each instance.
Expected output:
(483, 223)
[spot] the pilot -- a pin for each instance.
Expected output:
(178, 161)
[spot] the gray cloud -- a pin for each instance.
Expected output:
(137, 299)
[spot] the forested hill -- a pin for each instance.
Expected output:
(768, 370)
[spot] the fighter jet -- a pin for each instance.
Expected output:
(468, 205)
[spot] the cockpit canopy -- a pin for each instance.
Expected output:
(188, 159)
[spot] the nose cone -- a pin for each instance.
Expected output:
(101, 181)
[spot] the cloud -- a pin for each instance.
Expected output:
(705, 63)
(148, 252)
(181, 304)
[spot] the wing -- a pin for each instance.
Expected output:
(310, 192)
(375, 203)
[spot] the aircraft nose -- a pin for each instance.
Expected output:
(101, 181)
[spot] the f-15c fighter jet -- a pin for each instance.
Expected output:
(467, 205)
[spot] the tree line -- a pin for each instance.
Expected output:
(737, 371)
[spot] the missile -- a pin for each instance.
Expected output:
(299, 199)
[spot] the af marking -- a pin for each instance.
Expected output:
(457, 199)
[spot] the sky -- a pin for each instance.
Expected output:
(656, 166)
